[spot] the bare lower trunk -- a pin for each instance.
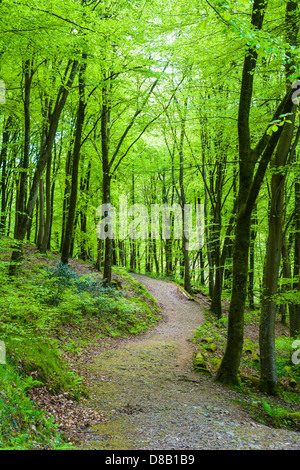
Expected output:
(228, 371)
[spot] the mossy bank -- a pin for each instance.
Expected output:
(51, 314)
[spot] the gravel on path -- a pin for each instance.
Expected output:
(154, 400)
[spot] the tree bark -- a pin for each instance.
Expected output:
(249, 186)
(295, 327)
(47, 223)
(3, 163)
(268, 367)
(22, 192)
(84, 188)
(75, 164)
(252, 261)
(43, 159)
(41, 231)
(106, 183)
(185, 251)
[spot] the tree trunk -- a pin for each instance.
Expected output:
(84, 188)
(22, 192)
(41, 214)
(268, 367)
(99, 260)
(295, 327)
(47, 222)
(75, 164)
(107, 272)
(287, 274)
(252, 261)
(43, 159)
(228, 370)
(216, 303)
(67, 191)
(185, 251)
(3, 163)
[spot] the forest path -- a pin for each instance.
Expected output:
(154, 400)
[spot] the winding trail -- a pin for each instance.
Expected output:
(154, 400)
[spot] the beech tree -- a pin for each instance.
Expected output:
(250, 180)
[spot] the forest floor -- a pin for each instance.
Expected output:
(151, 398)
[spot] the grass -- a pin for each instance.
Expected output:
(48, 312)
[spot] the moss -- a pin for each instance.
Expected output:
(251, 379)
(185, 293)
(207, 340)
(292, 382)
(211, 347)
(200, 364)
(256, 358)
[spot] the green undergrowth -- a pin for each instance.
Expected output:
(210, 338)
(270, 412)
(49, 311)
(23, 426)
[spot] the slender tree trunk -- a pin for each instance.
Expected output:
(287, 274)
(3, 163)
(211, 281)
(252, 261)
(43, 159)
(84, 187)
(132, 242)
(47, 221)
(67, 191)
(107, 271)
(185, 251)
(216, 305)
(100, 257)
(155, 256)
(22, 192)
(41, 231)
(122, 252)
(228, 371)
(295, 327)
(52, 191)
(202, 267)
(75, 164)
(168, 245)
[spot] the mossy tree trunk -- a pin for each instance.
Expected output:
(268, 367)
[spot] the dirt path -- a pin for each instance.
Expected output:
(154, 400)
